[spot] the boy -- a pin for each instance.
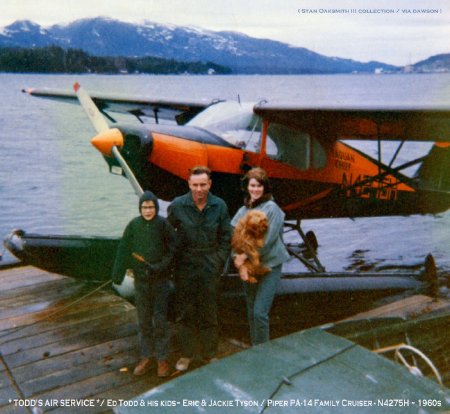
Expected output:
(147, 247)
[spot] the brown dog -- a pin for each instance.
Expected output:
(247, 238)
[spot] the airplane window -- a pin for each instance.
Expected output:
(294, 147)
(234, 122)
(319, 156)
(251, 137)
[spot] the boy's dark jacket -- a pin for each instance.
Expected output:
(154, 240)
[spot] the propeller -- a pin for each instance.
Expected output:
(107, 141)
(106, 138)
(93, 113)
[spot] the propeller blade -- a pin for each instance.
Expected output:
(106, 137)
(127, 170)
(93, 113)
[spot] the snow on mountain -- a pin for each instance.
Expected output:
(243, 54)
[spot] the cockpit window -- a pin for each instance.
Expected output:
(237, 124)
(232, 121)
(294, 147)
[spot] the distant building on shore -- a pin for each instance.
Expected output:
(408, 69)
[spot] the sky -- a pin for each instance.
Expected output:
(398, 32)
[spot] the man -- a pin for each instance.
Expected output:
(203, 228)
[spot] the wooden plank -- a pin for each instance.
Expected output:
(57, 343)
(48, 300)
(29, 291)
(88, 387)
(5, 381)
(7, 394)
(74, 374)
(26, 343)
(413, 305)
(145, 383)
(45, 291)
(9, 408)
(53, 324)
(79, 352)
(8, 389)
(77, 357)
(21, 272)
(91, 303)
(66, 345)
(11, 279)
(139, 386)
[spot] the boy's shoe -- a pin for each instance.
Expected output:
(143, 367)
(163, 369)
(183, 364)
(208, 360)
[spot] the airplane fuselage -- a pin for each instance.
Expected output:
(319, 181)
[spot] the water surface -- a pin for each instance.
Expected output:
(53, 181)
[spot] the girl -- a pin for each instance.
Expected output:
(273, 254)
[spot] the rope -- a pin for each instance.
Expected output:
(412, 368)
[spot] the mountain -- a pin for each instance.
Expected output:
(437, 63)
(243, 54)
(24, 33)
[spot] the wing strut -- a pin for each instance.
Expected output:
(127, 170)
(387, 170)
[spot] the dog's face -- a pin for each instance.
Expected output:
(256, 223)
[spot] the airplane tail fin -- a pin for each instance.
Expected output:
(434, 173)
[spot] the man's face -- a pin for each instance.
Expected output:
(199, 184)
(148, 210)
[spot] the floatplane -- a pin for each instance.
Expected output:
(315, 174)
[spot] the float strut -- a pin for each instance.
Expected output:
(317, 268)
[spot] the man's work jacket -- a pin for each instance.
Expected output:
(203, 237)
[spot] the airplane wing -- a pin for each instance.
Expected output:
(179, 111)
(310, 371)
(363, 123)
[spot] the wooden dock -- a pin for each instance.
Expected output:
(62, 343)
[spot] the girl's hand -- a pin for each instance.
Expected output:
(239, 260)
(243, 273)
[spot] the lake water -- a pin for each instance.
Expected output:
(53, 181)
